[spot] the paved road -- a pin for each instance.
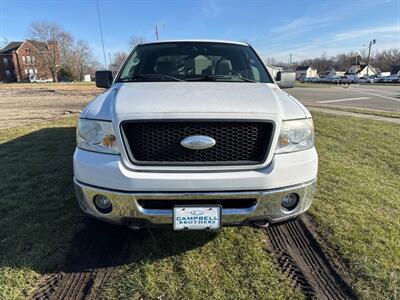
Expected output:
(359, 96)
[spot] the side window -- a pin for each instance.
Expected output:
(24, 60)
(255, 67)
(5, 61)
(33, 59)
(8, 74)
(255, 72)
(28, 60)
(129, 69)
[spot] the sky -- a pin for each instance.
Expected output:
(275, 29)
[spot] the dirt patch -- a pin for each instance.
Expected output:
(23, 104)
(300, 256)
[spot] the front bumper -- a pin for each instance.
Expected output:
(127, 211)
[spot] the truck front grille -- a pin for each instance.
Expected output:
(224, 203)
(159, 142)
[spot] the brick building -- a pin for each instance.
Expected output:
(20, 61)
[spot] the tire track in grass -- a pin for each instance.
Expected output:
(96, 251)
(300, 256)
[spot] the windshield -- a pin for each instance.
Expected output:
(193, 61)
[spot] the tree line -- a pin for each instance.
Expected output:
(384, 60)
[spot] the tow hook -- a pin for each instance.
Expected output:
(261, 224)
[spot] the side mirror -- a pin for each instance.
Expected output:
(278, 76)
(104, 79)
(285, 79)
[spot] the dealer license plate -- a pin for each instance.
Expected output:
(197, 217)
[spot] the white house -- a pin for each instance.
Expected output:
(332, 73)
(305, 71)
(360, 70)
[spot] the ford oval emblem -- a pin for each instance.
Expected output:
(197, 212)
(198, 142)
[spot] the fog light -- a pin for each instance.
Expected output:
(290, 201)
(102, 204)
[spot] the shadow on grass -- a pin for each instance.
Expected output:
(41, 226)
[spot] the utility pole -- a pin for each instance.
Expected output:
(157, 32)
(290, 61)
(356, 68)
(369, 54)
(101, 34)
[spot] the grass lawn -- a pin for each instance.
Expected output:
(374, 112)
(356, 207)
(231, 264)
(38, 212)
(358, 197)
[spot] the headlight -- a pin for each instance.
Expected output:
(96, 136)
(295, 135)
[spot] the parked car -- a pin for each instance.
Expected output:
(389, 79)
(194, 135)
(332, 79)
(326, 80)
(66, 80)
(344, 80)
(393, 79)
(365, 80)
(373, 78)
(40, 80)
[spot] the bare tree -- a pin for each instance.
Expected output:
(81, 59)
(54, 37)
(44, 31)
(75, 57)
(3, 42)
(66, 44)
(387, 59)
(135, 40)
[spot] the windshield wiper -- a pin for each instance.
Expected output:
(155, 76)
(216, 77)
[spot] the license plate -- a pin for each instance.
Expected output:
(197, 217)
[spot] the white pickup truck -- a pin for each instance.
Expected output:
(194, 135)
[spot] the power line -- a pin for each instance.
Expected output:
(101, 34)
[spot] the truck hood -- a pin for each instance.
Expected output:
(130, 100)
